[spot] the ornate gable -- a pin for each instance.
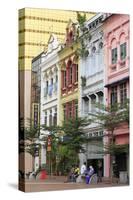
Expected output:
(52, 42)
(71, 31)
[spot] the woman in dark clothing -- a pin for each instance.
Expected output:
(99, 172)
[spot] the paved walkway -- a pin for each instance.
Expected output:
(58, 183)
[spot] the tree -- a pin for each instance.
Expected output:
(52, 154)
(29, 142)
(74, 136)
(110, 118)
(73, 141)
(81, 18)
(84, 37)
(67, 158)
(68, 141)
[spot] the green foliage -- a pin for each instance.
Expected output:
(67, 158)
(66, 150)
(83, 39)
(83, 52)
(81, 18)
(112, 116)
(83, 79)
(112, 149)
(31, 133)
(74, 136)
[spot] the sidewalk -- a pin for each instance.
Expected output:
(55, 183)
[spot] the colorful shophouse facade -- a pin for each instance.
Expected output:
(68, 62)
(72, 85)
(44, 94)
(92, 89)
(117, 61)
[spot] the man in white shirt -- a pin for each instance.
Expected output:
(83, 169)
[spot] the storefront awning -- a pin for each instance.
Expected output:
(117, 82)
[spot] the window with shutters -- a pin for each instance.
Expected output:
(55, 117)
(114, 55)
(123, 52)
(45, 118)
(113, 95)
(123, 93)
(64, 79)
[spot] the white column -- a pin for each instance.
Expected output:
(97, 98)
(58, 95)
(48, 113)
(89, 103)
(43, 154)
(53, 112)
(97, 101)
(36, 163)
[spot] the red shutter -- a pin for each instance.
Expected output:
(62, 79)
(66, 76)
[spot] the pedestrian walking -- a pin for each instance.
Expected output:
(99, 172)
(76, 172)
(83, 169)
(89, 172)
(70, 174)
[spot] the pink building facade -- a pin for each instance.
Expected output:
(117, 55)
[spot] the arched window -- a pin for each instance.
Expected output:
(93, 49)
(123, 46)
(100, 45)
(114, 52)
(70, 72)
(64, 82)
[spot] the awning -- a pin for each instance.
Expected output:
(117, 82)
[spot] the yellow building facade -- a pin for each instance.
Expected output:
(69, 76)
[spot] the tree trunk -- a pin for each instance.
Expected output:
(111, 157)
(111, 169)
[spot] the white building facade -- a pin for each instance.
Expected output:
(50, 84)
(92, 90)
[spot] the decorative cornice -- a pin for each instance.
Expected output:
(118, 73)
